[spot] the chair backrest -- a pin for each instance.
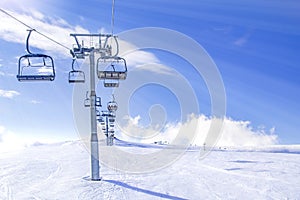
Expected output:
(36, 67)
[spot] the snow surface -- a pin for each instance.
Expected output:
(61, 171)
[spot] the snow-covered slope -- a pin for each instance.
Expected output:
(61, 171)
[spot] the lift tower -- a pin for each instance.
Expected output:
(98, 43)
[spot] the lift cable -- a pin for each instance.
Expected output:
(112, 17)
(47, 37)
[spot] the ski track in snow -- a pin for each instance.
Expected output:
(61, 171)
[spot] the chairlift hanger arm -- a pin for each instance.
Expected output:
(73, 62)
(76, 40)
(28, 48)
(27, 41)
(116, 41)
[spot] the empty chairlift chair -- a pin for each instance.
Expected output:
(35, 67)
(112, 106)
(76, 76)
(111, 70)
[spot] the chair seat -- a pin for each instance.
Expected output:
(35, 77)
(76, 76)
(114, 75)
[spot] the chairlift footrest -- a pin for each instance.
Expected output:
(76, 81)
(111, 84)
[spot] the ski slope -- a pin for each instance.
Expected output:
(61, 171)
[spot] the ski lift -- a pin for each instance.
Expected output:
(112, 106)
(35, 67)
(111, 83)
(98, 116)
(116, 70)
(112, 114)
(98, 102)
(87, 102)
(111, 120)
(76, 76)
(111, 70)
(98, 113)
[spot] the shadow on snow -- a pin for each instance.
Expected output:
(157, 194)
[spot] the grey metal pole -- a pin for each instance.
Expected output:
(94, 138)
(107, 133)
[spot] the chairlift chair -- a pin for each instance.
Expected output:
(111, 130)
(111, 83)
(87, 102)
(111, 120)
(76, 76)
(98, 102)
(100, 118)
(35, 67)
(112, 114)
(98, 113)
(111, 70)
(112, 106)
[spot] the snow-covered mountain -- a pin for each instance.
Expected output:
(61, 171)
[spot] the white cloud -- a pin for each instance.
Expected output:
(9, 141)
(35, 102)
(36, 14)
(234, 133)
(56, 28)
(132, 130)
(138, 58)
(82, 19)
(2, 129)
(242, 40)
(101, 30)
(135, 120)
(8, 93)
(142, 60)
(157, 68)
(240, 133)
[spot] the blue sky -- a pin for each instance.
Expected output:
(255, 45)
